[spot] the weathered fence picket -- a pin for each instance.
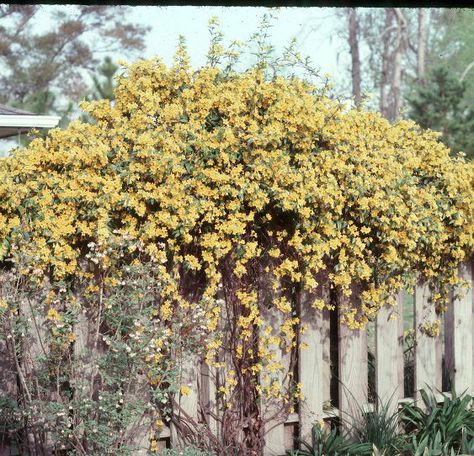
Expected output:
(313, 363)
(185, 406)
(389, 354)
(425, 352)
(274, 422)
(353, 365)
(208, 403)
(458, 334)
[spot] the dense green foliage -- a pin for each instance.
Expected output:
(440, 427)
(426, 429)
(330, 442)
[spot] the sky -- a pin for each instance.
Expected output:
(315, 29)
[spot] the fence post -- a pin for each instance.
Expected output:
(389, 353)
(458, 327)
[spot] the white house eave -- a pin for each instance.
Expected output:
(22, 121)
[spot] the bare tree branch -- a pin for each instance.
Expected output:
(466, 70)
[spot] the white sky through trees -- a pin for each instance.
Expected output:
(315, 28)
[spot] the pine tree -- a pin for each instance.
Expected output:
(104, 80)
(440, 105)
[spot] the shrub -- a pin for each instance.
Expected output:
(442, 428)
(378, 428)
(327, 442)
(445, 429)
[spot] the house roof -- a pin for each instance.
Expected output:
(8, 110)
(14, 121)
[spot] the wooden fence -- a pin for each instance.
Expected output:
(338, 378)
(341, 367)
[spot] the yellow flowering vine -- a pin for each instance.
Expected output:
(242, 191)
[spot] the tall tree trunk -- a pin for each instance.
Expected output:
(354, 50)
(421, 51)
(399, 51)
(384, 77)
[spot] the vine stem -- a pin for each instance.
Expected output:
(97, 334)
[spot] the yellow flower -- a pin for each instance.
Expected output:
(185, 390)
(54, 315)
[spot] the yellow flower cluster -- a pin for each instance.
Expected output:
(253, 185)
(432, 329)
